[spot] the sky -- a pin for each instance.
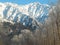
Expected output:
(30, 1)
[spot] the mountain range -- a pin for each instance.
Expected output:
(28, 15)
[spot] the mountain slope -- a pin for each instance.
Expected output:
(28, 15)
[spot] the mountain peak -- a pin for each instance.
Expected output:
(24, 14)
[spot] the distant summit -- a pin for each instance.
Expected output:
(28, 15)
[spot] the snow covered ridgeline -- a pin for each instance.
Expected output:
(28, 14)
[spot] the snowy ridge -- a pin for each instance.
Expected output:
(25, 14)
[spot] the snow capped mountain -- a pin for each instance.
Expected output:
(25, 14)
